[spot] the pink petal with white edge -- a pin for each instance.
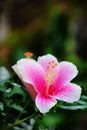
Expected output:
(44, 60)
(68, 93)
(31, 72)
(14, 67)
(66, 72)
(31, 90)
(44, 104)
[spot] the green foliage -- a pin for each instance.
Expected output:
(52, 119)
(81, 104)
(13, 101)
(1, 106)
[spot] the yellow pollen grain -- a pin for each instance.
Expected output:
(50, 75)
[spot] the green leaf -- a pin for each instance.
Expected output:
(2, 88)
(52, 119)
(16, 90)
(1, 106)
(17, 107)
(81, 104)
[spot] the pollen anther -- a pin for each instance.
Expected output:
(50, 75)
(28, 54)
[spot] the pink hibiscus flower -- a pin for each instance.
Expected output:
(48, 81)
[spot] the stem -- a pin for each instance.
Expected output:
(18, 122)
(22, 120)
(21, 112)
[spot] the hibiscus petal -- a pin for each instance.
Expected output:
(31, 90)
(44, 60)
(14, 67)
(31, 72)
(44, 104)
(66, 71)
(69, 93)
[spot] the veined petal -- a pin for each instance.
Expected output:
(69, 92)
(45, 60)
(44, 104)
(31, 72)
(66, 71)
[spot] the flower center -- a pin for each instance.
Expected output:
(50, 75)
